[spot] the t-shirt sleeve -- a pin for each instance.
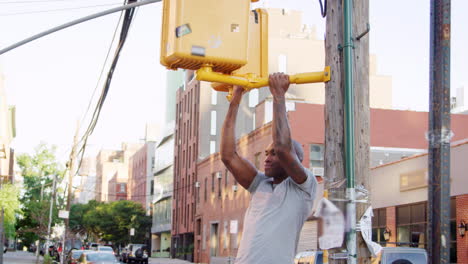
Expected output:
(256, 181)
(309, 186)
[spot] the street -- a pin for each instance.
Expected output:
(24, 257)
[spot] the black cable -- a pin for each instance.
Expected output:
(323, 8)
(128, 17)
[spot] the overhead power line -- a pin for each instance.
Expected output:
(40, 1)
(75, 22)
(55, 10)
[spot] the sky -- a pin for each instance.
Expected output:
(52, 80)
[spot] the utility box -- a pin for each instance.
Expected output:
(257, 53)
(205, 32)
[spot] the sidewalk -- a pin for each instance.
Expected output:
(167, 261)
(19, 257)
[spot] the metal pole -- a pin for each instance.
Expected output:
(78, 21)
(349, 130)
(439, 134)
(52, 200)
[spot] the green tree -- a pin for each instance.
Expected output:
(9, 201)
(38, 171)
(111, 222)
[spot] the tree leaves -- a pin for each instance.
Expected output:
(110, 222)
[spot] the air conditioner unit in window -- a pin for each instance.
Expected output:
(234, 188)
(318, 171)
(218, 175)
(197, 185)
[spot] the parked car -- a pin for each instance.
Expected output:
(137, 253)
(106, 249)
(94, 257)
(309, 257)
(401, 255)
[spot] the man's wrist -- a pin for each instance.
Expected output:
(279, 99)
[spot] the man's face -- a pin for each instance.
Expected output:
(272, 165)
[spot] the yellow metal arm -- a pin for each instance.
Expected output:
(250, 81)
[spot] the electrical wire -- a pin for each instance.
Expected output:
(103, 67)
(128, 17)
(323, 8)
(55, 10)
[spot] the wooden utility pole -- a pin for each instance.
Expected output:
(439, 135)
(335, 110)
(71, 173)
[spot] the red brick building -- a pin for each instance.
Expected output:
(221, 203)
(185, 173)
(137, 180)
(117, 188)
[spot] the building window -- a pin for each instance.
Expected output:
(212, 182)
(379, 223)
(152, 187)
(226, 178)
(206, 188)
(189, 183)
(189, 156)
(214, 97)
(411, 225)
(213, 123)
(316, 156)
(212, 147)
(122, 187)
(219, 184)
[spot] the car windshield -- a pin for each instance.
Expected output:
(105, 249)
(406, 258)
(100, 257)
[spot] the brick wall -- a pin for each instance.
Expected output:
(462, 214)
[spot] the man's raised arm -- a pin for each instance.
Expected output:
(242, 170)
(282, 142)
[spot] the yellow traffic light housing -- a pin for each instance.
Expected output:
(205, 32)
(223, 41)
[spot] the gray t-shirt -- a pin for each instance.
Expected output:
(274, 219)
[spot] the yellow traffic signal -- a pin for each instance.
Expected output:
(257, 53)
(205, 32)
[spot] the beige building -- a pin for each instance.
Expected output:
(110, 162)
(7, 134)
(295, 48)
(399, 200)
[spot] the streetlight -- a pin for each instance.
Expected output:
(462, 228)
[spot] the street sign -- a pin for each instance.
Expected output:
(64, 214)
(132, 231)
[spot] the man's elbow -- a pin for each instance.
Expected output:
(226, 158)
